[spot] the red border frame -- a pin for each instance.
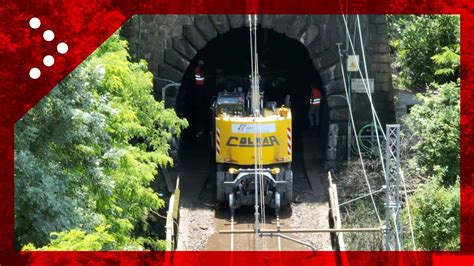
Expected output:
(85, 25)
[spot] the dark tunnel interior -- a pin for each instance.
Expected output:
(285, 69)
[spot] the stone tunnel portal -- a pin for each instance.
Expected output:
(295, 48)
(285, 69)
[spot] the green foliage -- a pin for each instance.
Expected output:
(98, 240)
(397, 23)
(77, 240)
(427, 53)
(415, 40)
(435, 210)
(436, 122)
(447, 63)
(86, 155)
(434, 127)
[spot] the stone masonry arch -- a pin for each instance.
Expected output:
(170, 42)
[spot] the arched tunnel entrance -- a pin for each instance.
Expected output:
(285, 69)
(291, 49)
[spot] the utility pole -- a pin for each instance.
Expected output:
(393, 238)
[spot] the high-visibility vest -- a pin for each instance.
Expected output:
(315, 97)
(198, 76)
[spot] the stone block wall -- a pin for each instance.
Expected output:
(169, 42)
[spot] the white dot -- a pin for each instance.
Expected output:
(48, 60)
(62, 48)
(35, 23)
(48, 35)
(35, 73)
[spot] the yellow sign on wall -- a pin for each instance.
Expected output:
(353, 63)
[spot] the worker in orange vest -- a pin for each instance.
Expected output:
(314, 104)
(199, 74)
(199, 82)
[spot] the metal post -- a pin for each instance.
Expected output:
(388, 236)
(398, 216)
(392, 199)
(349, 131)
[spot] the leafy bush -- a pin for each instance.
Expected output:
(78, 240)
(86, 155)
(435, 211)
(435, 156)
(436, 123)
(415, 40)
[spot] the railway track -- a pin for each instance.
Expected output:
(201, 218)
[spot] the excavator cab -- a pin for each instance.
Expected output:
(232, 103)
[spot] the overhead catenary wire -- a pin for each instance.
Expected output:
(385, 137)
(376, 118)
(361, 197)
(373, 111)
(353, 125)
(255, 115)
(258, 152)
(408, 209)
(256, 107)
(366, 88)
(365, 83)
(396, 226)
(260, 147)
(364, 196)
(357, 141)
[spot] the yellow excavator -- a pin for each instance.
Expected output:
(253, 146)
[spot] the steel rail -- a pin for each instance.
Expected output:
(324, 230)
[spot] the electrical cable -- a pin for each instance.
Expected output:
(397, 233)
(357, 141)
(402, 175)
(361, 197)
(166, 218)
(374, 113)
(255, 113)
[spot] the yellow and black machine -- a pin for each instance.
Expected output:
(253, 147)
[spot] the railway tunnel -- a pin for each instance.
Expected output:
(293, 52)
(285, 70)
(171, 44)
